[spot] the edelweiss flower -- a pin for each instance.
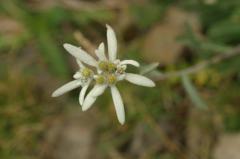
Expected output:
(83, 78)
(109, 71)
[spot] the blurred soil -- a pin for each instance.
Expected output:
(70, 137)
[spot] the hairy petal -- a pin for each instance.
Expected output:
(77, 75)
(139, 80)
(112, 43)
(92, 96)
(82, 93)
(100, 52)
(130, 62)
(121, 77)
(98, 90)
(80, 54)
(118, 103)
(66, 88)
(80, 64)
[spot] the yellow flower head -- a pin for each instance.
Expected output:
(86, 72)
(112, 79)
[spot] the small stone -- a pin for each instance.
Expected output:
(228, 147)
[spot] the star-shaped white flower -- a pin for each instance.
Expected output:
(83, 78)
(109, 71)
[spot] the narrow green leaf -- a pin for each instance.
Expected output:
(192, 92)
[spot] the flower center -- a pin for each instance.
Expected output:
(111, 67)
(111, 79)
(87, 73)
(103, 65)
(100, 79)
(121, 69)
(109, 72)
(107, 67)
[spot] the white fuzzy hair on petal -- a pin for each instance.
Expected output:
(118, 103)
(100, 52)
(66, 88)
(83, 92)
(80, 54)
(130, 62)
(92, 96)
(112, 43)
(139, 80)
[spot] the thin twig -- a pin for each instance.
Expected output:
(202, 65)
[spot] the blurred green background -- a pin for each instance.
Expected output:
(190, 117)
